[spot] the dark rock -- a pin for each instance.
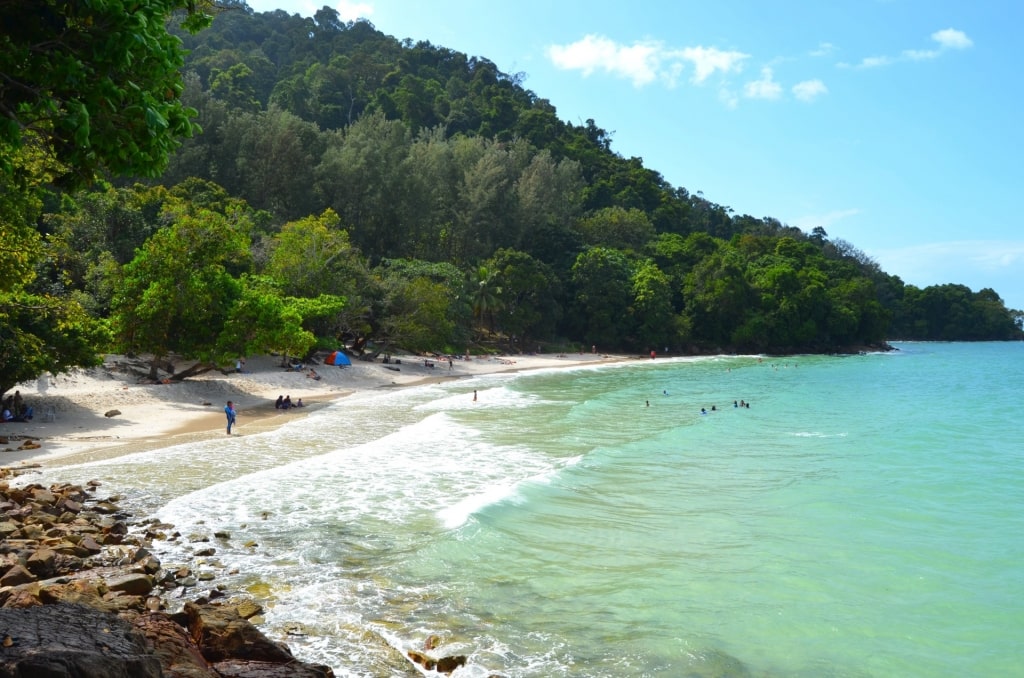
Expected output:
(448, 664)
(235, 668)
(72, 641)
(111, 413)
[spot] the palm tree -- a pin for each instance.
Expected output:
(486, 296)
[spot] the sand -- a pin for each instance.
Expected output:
(71, 423)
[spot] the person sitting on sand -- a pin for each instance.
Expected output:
(299, 403)
(6, 416)
(286, 403)
(313, 375)
(279, 403)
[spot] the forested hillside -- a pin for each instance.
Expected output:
(348, 186)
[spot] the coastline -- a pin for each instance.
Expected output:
(71, 423)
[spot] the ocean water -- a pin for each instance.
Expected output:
(863, 517)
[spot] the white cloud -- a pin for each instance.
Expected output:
(765, 88)
(920, 54)
(874, 62)
(707, 60)
(950, 38)
(639, 63)
(643, 62)
(809, 90)
(729, 98)
(824, 49)
(350, 11)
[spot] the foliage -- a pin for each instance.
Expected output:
(527, 295)
(177, 294)
(350, 186)
(954, 312)
(44, 334)
(601, 310)
(95, 84)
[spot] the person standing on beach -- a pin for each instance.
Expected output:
(229, 411)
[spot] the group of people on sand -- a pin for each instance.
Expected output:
(15, 409)
(285, 403)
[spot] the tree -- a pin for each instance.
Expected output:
(417, 316)
(177, 294)
(313, 256)
(617, 227)
(526, 291)
(485, 294)
(652, 302)
(601, 312)
(95, 85)
(42, 333)
(262, 320)
(84, 87)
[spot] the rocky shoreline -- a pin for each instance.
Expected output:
(83, 596)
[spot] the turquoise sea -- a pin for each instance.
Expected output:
(863, 517)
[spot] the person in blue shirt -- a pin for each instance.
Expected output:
(229, 411)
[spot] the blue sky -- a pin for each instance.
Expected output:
(896, 125)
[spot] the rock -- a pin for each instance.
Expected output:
(16, 576)
(448, 664)
(73, 641)
(222, 635)
(248, 669)
(106, 507)
(41, 563)
(248, 609)
(111, 413)
(443, 665)
(80, 592)
(71, 506)
(88, 547)
(178, 654)
(21, 598)
(132, 584)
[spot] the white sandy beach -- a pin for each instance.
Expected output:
(70, 423)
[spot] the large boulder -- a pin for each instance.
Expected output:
(72, 641)
(223, 634)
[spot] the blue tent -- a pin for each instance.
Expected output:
(338, 358)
